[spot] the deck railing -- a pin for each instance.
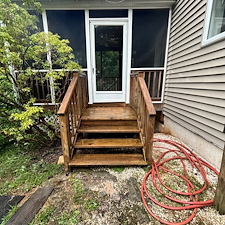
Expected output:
(74, 101)
(140, 100)
(154, 83)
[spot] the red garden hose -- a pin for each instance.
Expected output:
(153, 177)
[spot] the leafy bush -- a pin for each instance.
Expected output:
(23, 53)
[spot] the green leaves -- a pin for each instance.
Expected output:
(23, 53)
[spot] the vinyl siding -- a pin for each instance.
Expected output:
(195, 81)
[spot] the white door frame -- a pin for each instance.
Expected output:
(108, 96)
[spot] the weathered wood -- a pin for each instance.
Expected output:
(109, 122)
(65, 140)
(114, 104)
(68, 96)
(70, 115)
(219, 200)
(109, 113)
(6, 202)
(109, 143)
(149, 137)
(146, 96)
(31, 207)
(108, 159)
(108, 129)
(145, 113)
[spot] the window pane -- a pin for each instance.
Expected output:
(217, 22)
(149, 37)
(70, 24)
(108, 13)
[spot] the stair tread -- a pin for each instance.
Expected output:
(107, 129)
(109, 113)
(107, 159)
(109, 143)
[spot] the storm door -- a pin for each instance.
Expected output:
(108, 56)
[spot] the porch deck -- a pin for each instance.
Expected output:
(106, 134)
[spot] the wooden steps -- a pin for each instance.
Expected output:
(110, 136)
(109, 143)
(107, 129)
(108, 160)
(109, 113)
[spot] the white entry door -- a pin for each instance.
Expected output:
(108, 60)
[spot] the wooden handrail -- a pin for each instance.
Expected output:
(75, 100)
(146, 96)
(141, 101)
(65, 103)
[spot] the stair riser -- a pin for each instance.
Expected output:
(109, 123)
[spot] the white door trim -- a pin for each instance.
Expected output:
(107, 96)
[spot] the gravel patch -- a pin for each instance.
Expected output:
(116, 192)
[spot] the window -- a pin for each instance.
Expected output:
(70, 24)
(149, 37)
(214, 21)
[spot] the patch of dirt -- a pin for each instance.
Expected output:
(114, 196)
(49, 155)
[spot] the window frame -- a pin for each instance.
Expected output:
(205, 40)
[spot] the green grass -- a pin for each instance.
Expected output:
(118, 169)
(68, 218)
(20, 172)
(91, 204)
(44, 216)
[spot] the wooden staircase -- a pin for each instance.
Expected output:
(106, 134)
(106, 131)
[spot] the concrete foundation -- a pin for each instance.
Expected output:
(204, 148)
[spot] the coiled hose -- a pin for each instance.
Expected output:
(183, 154)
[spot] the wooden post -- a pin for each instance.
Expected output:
(65, 139)
(219, 200)
(150, 134)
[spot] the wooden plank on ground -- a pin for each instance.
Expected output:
(6, 202)
(108, 159)
(30, 208)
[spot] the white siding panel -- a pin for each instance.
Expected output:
(200, 72)
(200, 86)
(195, 54)
(205, 106)
(195, 80)
(216, 103)
(195, 129)
(202, 65)
(199, 59)
(194, 92)
(202, 116)
(187, 25)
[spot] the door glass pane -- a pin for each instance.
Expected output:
(108, 55)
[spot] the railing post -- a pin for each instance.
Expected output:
(65, 140)
(149, 134)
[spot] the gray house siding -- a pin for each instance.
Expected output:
(195, 81)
